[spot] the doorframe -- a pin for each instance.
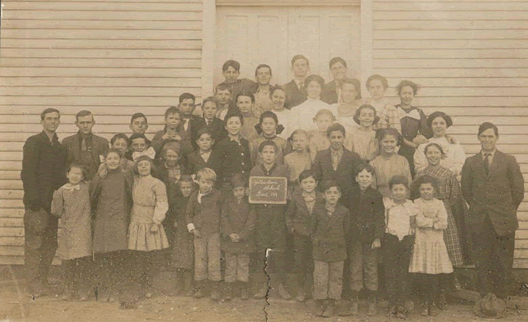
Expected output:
(209, 44)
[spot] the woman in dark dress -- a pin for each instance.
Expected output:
(413, 124)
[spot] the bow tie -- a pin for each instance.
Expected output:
(71, 187)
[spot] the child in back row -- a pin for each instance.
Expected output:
(298, 221)
(71, 203)
(329, 227)
(203, 221)
(237, 228)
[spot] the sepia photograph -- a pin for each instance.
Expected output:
(259, 161)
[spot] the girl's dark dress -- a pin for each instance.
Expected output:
(183, 246)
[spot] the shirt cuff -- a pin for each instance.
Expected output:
(190, 227)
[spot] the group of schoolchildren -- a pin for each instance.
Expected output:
(180, 201)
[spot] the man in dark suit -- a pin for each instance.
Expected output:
(337, 163)
(295, 89)
(190, 123)
(493, 185)
(85, 147)
(43, 171)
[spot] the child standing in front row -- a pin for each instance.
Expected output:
(298, 221)
(329, 227)
(146, 235)
(366, 231)
(237, 227)
(71, 203)
(111, 204)
(299, 159)
(203, 221)
(270, 228)
(400, 215)
(430, 260)
(183, 248)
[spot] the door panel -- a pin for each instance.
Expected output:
(273, 35)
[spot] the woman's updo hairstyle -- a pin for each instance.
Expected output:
(436, 114)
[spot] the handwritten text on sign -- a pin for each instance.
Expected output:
(268, 190)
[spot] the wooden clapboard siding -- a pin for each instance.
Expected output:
(113, 57)
(470, 58)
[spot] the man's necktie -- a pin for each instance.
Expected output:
(186, 125)
(486, 162)
(83, 145)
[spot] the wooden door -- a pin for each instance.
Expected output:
(273, 35)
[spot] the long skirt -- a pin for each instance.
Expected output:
(452, 239)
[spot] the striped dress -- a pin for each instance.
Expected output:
(449, 192)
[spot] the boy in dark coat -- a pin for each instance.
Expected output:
(210, 122)
(270, 227)
(237, 228)
(201, 158)
(364, 239)
(330, 225)
(337, 163)
(298, 221)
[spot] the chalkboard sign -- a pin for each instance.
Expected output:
(268, 190)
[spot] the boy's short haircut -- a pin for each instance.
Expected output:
(145, 158)
(297, 57)
(486, 126)
(382, 79)
(325, 185)
(263, 66)
(398, 180)
(268, 143)
(203, 131)
(210, 99)
(117, 137)
(324, 111)
(427, 179)
(172, 110)
(186, 96)
(138, 136)
(47, 111)
(246, 93)
(238, 180)
(78, 166)
(336, 60)
(231, 63)
(223, 87)
(112, 150)
(335, 127)
(206, 174)
(231, 114)
(365, 166)
(174, 146)
(83, 113)
(137, 116)
(186, 178)
(307, 174)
